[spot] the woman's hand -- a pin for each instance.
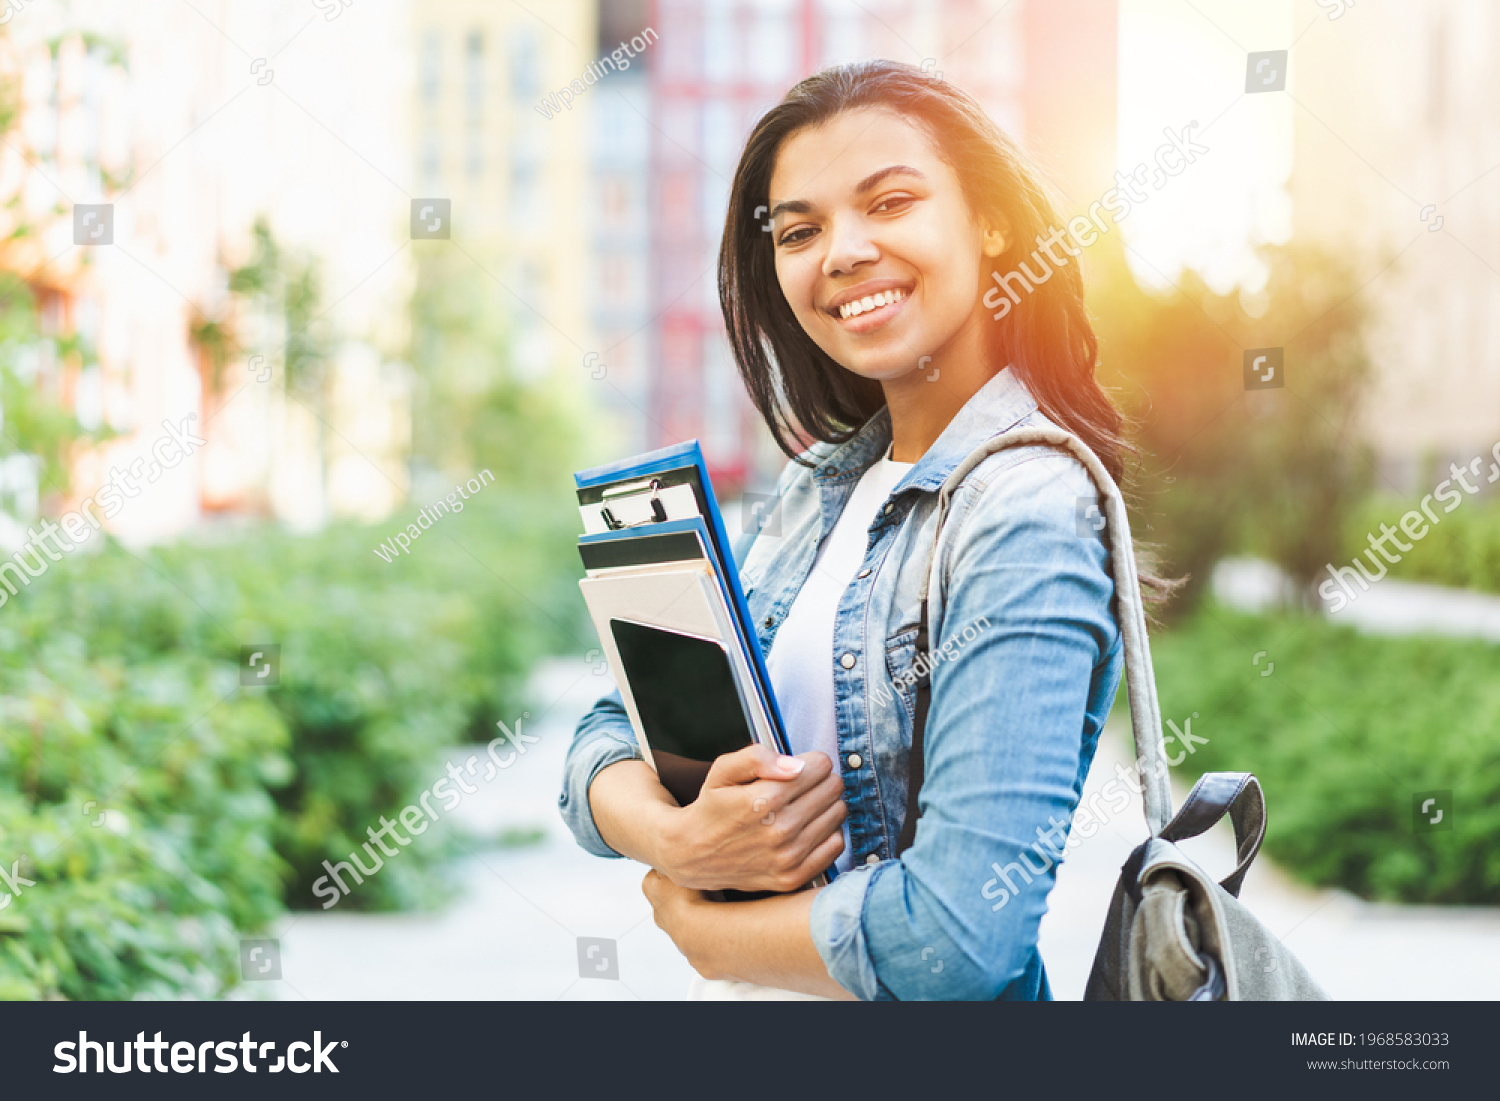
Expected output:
(765, 941)
(762, 822)
(673, 907)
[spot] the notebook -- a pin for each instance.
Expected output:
(663, 591)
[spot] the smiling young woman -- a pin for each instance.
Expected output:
(856, 314)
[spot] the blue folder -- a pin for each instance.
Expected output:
(710, 527)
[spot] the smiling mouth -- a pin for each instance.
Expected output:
(870, 303)
(872, 311)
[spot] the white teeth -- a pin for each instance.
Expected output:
(870, 302)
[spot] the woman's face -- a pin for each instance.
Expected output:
(876, 249)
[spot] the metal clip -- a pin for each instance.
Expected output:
(618, 493)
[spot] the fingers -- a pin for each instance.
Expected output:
(817, 861)
(804, 840)
(823, 856)
(783, 829)
(794, 809)
(817, 770)
(813, 822)
(754, 762)
(777, 795)
(825, 825)
(809, 767)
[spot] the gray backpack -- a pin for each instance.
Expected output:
(1172, 934)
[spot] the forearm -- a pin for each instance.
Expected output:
(767, 941)
(631, 810)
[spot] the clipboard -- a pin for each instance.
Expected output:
(648, 495)
(663, 590)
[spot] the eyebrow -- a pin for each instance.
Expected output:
(869, 183)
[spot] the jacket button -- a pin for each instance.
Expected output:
(872, 859)
(847, 661)
(888, 506)
(770, 621)
(864, 573)
(855, 760)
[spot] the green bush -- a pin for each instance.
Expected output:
(1343, 733)
(1461, 550)
(119, 684)
(174, 768)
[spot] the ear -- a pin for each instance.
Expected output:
(995, 234)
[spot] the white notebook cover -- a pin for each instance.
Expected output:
(684, 598)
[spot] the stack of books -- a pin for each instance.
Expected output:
(663, 590)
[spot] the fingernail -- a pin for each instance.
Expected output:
(793, 765)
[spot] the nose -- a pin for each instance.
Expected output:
(849, 245)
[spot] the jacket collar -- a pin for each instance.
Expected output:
(996, 407)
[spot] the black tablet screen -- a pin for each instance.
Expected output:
(685, 695)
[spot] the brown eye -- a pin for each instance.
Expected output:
(795, 236)
(894, 205)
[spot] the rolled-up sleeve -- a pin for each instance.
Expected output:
(1028, 643)
(603, 737)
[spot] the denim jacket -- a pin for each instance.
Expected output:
(1027, 661)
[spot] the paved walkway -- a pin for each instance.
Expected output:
(1389, 607)
(513, 932)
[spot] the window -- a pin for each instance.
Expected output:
(843, 39)
(474, 104)
(616, 280)
(614, 201)
(620, 20)
(720, 42)
(523, 179)
(525, 63)
(775, 44)
(474, 74)
(431, 68)
(1437, 73)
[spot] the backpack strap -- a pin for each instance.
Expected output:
(1140, 679)
(1216, 794)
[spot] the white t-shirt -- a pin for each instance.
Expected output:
(801, 659)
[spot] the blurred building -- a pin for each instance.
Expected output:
(588, 194)
(1398, 166)
(493, 136)
(620, 372)
(189, 128)
(1045, 71)
(325, 121)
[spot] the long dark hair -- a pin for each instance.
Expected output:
(1047, 338)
